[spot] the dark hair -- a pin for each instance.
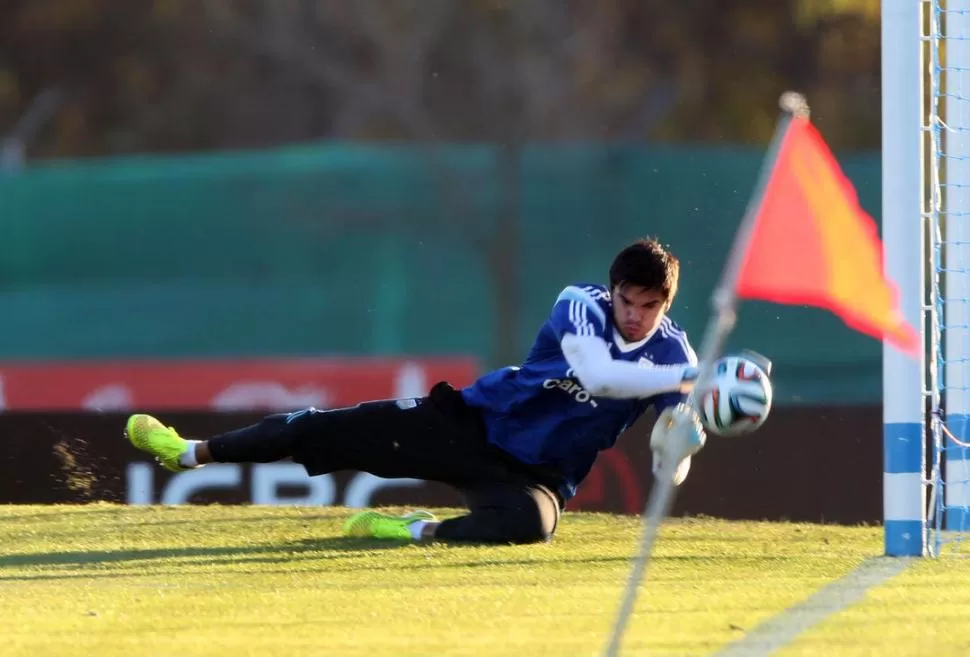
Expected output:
(648, 264)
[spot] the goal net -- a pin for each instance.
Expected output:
(947, 208)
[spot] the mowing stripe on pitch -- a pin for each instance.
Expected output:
(781, 629)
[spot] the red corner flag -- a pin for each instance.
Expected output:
(813, 244)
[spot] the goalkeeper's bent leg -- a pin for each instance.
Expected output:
(504, 513)
(500, 513)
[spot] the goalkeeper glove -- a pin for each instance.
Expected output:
(676, 436)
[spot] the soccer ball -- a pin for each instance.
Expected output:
(737, 399)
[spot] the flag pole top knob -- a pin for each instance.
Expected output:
(794, 103)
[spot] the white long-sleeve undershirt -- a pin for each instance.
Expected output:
(603, 376)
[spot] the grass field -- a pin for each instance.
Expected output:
(109, 580)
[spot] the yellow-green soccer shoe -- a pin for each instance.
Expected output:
(371, 524)
(149, 435)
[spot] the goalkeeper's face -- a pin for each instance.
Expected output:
(637, 310)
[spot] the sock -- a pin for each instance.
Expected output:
(416, 528)
(272, 439)
(187, 458)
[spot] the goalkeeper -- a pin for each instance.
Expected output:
(518, 441)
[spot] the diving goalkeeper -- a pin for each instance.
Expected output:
(518, 441)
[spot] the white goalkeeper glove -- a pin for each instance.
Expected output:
(676, 436)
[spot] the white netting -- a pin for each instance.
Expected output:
(948, 40)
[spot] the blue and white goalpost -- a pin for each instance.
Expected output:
(903, 222)
(926, 232)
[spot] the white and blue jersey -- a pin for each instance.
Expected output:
(541, 414)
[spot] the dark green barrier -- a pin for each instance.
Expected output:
(358, 249)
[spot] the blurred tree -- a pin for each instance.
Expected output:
(808, 12)
(178, 75)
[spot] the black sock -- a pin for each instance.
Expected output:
(270, 440)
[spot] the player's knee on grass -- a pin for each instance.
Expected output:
(514, 515)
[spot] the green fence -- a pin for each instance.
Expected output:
(381, 250)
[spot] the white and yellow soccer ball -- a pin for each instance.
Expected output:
(737, 398)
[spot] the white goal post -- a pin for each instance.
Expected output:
(903, 220)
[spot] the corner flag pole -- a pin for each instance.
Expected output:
(723, 302)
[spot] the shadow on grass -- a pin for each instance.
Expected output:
(282, 552)
(126, 516)
(257, 566)
(77, 512)
(137, 562)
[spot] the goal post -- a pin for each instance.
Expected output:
(903, 222)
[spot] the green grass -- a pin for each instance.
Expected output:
(109, 580)
(923, 611)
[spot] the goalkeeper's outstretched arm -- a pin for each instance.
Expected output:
(677, 434)
(603, 376)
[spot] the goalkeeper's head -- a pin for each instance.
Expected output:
(643, 284)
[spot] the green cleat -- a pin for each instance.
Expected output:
(371, 524)
(149, 435)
